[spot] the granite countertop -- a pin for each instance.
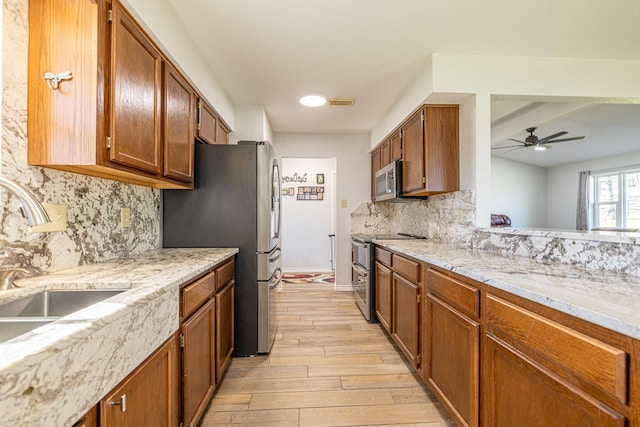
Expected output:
(607, 299)
(55, 373)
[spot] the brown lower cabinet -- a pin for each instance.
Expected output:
(398, 288)
(496, 359)
(149, 395)
(174, 385)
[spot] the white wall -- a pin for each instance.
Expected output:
(251, 124)
(446, 77)
(562, 186)
(353, 165)
(306, 224)
(520, 191)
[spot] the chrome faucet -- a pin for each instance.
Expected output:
(35, 214)
(29, 206)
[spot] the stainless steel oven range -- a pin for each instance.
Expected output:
(362, 269)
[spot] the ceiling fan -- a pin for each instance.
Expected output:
(538, 143)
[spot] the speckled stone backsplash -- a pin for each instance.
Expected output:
(93, 205)
(613, 252)
(449, 218)
(443, 217)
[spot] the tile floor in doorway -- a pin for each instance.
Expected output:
(328, 367)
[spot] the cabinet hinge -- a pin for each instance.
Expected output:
(110, 15)
(108, 142)
(419, 299)
(424, 179)
(418, 359)
(422, 116)
(181, 340)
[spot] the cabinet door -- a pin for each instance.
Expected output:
(383, 295)
(207, 123)
(179, 119)
(136, 75)
(385, 153)
(413, 177)
(198, 362)
(148, 396)
(395, 143)
(520, 392)
(375, 165)
(224, 328)
(453, 361)
(405, 327)
(222, 136)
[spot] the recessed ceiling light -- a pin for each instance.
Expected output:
(313, 100)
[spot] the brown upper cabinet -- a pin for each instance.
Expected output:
(211, 128)
(427, 143)
(113, 106)
(179, 110)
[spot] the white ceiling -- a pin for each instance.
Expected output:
(609, 129)
(271, 52)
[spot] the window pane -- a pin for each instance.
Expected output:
(608, 188)
(607, 215)
(632, 184)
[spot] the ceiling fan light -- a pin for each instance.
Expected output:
(540, 147)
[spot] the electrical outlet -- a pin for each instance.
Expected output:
(343, 203)
(459, 216)
(125, 217)
(58, 216)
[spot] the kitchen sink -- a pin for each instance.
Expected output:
(25, 314)
(54, 303)
(11, 328)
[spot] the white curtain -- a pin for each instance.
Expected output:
(582, 215)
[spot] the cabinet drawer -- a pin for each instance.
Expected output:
(454, 292)
(224, 274)
(383, 256)
(197, 293)
(408, 268)
(589, 359)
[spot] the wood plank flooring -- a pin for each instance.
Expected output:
(328, 367)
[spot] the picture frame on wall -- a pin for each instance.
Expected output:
(320, 178)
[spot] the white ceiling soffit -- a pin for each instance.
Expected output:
(273, 52)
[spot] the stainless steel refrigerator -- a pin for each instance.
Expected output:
(235, 203)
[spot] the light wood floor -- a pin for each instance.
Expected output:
(328, 367)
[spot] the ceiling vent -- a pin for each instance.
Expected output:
(345, 102)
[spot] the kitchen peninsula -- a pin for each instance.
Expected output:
(54, 374)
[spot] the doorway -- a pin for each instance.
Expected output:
(308, 215)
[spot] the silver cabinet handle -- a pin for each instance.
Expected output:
(122, 403)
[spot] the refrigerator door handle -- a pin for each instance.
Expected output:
(277, 253)
(276, 279)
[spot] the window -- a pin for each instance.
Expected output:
(616, 199)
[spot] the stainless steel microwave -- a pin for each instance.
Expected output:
(388, 181)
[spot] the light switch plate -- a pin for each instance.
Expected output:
(58, 216)
(125, 217)
(344, 203)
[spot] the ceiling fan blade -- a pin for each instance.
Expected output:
(514, 149)
(517, 140)
(550, 137)
(508, 146)
(575, 138)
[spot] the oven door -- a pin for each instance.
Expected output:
(360, 280)
(361, 254)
